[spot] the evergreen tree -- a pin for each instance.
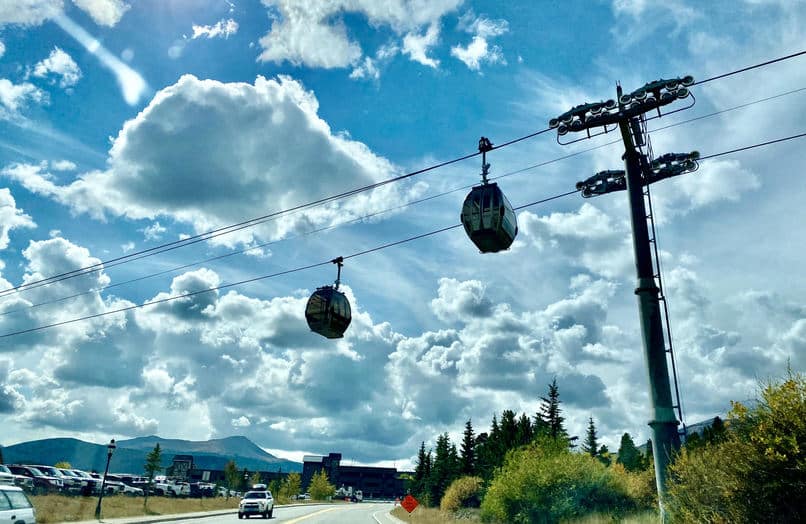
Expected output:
(509, 431)
(483, 463)
(649, 458)
(524, 432)
(628, 454)
(232, 475)
(422, 472)
(591, 445)
(442, 469)
(151, 467)
(604, 455)
(551, 415)
(468, 450)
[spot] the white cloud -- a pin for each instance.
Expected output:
(222, 28)
(241, 422)
(2, 49)
(35, 12)
(63, 165)
(60, 64)
(11, 217)
(311, 33)
(29, 12)
(366, 70)
(154, 231)
(244, 149)
(417, 46)
(479, 50)
(14, 97)
(103, 12)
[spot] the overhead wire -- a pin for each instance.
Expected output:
(376, 213)
(201, 237)
(353, 255)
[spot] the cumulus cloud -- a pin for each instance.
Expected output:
(220, 153)
(2, 49)
(14, 97)
(29, 12)
(479, 50)
(311, 32)
(35, 12)
(222, 28)
(103, 12)
(61, 65)
(417, 46)
(11, 217)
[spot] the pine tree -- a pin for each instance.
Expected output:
(604, 455)
(151, 467)
(422, 471)
(232, 475)
(551, 416)
(468, 450)
(591, 445)
(628, 454)
(525, 432)
(509, 431)
(443, 467)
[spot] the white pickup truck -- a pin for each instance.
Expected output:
(172, 488)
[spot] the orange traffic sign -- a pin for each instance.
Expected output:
(409, 503)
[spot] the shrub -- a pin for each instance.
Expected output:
(757, 473)
(544, 483)
(463, 492)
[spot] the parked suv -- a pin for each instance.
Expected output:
(15, 506)
(70, 484)
(6, 476)
(42, 483)
(91, 484)
(256, 503)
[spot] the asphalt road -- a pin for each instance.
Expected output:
(363, 513)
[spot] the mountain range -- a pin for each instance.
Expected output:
(129, 456)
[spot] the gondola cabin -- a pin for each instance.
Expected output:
(489, 219)
(328, 312)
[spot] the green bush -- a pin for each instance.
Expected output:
(464, 492)
(757, 473)
(546, 483)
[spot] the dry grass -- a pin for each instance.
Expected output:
(423, 515)
(60, 508)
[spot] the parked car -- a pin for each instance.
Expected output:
(202, 489)
(124, 488)
(92, 485)
(6, 476)
(21, 481)
(69, 484)
(41, 483)
(15, 506)
(111, 487)
(256, 503)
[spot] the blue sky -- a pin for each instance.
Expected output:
(125, 125)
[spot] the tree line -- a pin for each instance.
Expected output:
(481, 455)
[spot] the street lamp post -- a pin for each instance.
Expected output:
(110, 448)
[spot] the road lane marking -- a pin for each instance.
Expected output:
(386, 514)
(309, 515)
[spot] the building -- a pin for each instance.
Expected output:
(374, 483)
(183, 468)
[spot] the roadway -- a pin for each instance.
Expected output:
(363, 513)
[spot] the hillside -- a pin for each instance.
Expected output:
(130, 454)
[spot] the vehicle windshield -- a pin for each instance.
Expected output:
(47, 470)
(256, 495)
(67, 473)
(82, 474)
(4, 469)
(36, 471)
